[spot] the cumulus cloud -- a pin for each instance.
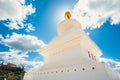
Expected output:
(93, 13)
(29, 27)
(19, 59)
(15, 12)
(112, 63)
(22, 42)
(20, 45)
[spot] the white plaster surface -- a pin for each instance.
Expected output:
(67, 57)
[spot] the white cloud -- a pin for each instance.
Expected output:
(16, 12)
(19, 60)
(93, 13)
(19, 47)
(23, 42)
(29, 28)
(112, 63)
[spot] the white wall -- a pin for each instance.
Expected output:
(98, 73)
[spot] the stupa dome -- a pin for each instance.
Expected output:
(68, 24)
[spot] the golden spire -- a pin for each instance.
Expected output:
(67, 15)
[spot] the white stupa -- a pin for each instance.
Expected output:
(72, 55)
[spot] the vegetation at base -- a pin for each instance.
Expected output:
(11, 72)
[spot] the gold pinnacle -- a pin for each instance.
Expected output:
(67, 15)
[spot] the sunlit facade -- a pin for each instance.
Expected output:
(72, 55)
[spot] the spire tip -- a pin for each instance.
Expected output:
(67, 15)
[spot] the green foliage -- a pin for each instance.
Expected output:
(14, 73)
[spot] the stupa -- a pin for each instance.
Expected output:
(72, 55)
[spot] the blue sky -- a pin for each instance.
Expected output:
(32, 24)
